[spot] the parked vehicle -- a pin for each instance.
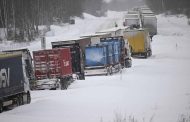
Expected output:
(132, 20)
(15, 76)
(121, 50)
(107, 57)
(77, 54)
(95, 37)
(97, 62)
(139, 42)
(116, 31)
(53, 68)
(150, 22)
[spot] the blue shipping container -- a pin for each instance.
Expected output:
(96, 55)
(110, 51)
(117, 51)
(118, 44)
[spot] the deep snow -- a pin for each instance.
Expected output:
(156, 89)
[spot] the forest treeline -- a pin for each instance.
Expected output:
(170, 6)
(20, 19)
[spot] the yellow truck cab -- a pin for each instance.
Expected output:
(139, 42)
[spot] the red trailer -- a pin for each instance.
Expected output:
(53, 64)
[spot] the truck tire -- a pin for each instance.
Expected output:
(145, 54)
(1, 107)
(20, 99)
(17, 101)
(64, 84)
(110, 71)
(28, 98)
(150, 52)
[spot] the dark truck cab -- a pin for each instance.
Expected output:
(15, 76)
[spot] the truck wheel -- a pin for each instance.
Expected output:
(145, 54)
(20, 99)
(17, 101)
(64, 86)
(110, 71)
(1, 107)
(28, 98)
(150, 52)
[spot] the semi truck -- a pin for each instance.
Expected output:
(16, 73)
(53, 68)
(77, 54)
(139, 42)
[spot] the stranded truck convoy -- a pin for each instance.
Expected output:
(15, 75)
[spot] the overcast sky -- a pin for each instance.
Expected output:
(123, 4)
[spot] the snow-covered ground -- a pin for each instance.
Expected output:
(156, 89)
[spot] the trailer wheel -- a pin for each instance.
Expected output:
(64, 84)
(28, 98)
(1, 107)
(20, 99)
(17, 101)
(150, 52)
(110, 70)
(145, 54)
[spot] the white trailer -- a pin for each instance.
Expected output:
(150, 22)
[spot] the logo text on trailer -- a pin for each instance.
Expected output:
(4, 78)
(66, 63)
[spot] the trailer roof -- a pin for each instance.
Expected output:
(16, 52)
(70, 41)
(9, 54)
(113, 29)
(97, 34)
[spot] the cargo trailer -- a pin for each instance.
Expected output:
(15, 77)
(121, 50)
(77, 54)
(139, 42)
(132, 20)
(107, 57)
(97, 60)
(53, 68)
(150, 22)
(95, 37)
(116, 31)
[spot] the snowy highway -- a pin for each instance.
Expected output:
(156, 89)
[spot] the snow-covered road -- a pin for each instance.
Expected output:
(156, 89)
